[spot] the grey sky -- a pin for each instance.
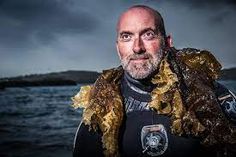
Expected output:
(40, 36)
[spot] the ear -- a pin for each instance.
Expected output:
(117, 49)
(117, 46)
(169, 41)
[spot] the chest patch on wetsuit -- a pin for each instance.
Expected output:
(228, 104)
(154, 139)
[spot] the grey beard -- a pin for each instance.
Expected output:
(143, 70)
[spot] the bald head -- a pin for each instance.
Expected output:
(142, 9)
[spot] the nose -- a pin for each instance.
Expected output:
(138, 46)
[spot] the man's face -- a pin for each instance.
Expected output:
(139, 43)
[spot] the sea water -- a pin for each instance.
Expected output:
(40, 122)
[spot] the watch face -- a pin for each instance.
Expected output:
(154, 139)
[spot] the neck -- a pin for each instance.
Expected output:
(140, 85)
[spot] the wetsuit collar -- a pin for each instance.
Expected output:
(143, 86)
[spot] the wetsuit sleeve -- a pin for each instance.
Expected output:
(227, 101)
(87, 142)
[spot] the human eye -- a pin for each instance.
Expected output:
(125, 37)
(149, 35)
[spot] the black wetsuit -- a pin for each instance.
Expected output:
(136, 96)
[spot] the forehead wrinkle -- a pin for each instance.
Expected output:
(159, 22)
(131, 11)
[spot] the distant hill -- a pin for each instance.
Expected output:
(228, 74)
(72, 78)
(50, 79)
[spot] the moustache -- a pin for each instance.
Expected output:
(139, 56)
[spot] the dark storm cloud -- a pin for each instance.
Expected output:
(55, 35)
(221, 9)
(27, 22)
(198, 4)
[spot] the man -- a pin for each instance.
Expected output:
(161, 102)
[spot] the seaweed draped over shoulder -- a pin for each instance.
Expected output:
(184, 92)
